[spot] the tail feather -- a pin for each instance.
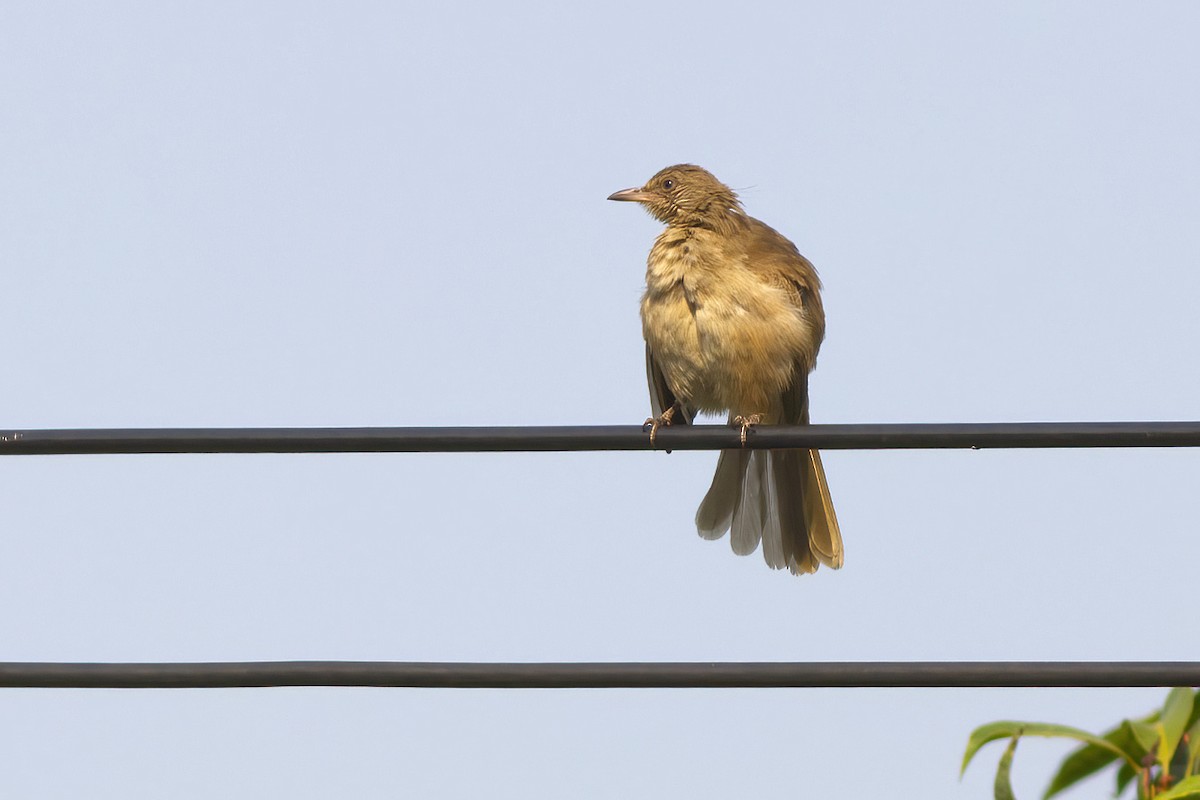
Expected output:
(774, 547)
(824, 534)
(752, 511)
(778, 497)
(791, 510)
(715, 515)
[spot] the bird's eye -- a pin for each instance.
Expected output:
(668, 184)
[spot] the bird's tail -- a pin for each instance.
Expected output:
(779, 497)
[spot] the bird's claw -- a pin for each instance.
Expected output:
(745, 423)
(651, 424)
(654, 423)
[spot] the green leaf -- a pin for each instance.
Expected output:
(1003, 787)
(1161, 757)
(1124, 775)
(1145, 734)
(1090, 759)
(1179, 764)
(984, 734)
(1175, 715)
(1195, 708)
(1186, 788)
(1193, 746)
(1004, 729)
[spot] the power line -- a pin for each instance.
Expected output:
(597, 675)
(601, 675)
(597, 437)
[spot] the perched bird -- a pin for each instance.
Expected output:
(732, 319)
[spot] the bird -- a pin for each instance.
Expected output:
(732, 319)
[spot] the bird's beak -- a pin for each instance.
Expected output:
(634, 195)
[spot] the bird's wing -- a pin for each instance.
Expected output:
(776, 261)
(795, 399)
(661, 396)
(822, 532)
(808, 302)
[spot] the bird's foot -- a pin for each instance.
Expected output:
(746, 423)
(663, 420)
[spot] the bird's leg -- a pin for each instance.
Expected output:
(746, 423)
(662, 420)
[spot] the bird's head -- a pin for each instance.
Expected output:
(683, 195)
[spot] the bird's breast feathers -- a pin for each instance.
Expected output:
(725, 336)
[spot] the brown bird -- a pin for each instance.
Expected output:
(732, 319)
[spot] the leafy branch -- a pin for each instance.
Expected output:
(1158, 754)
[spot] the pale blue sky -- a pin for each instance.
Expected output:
(393, 214)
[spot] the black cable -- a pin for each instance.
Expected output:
(601, 437)
(601, 675)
